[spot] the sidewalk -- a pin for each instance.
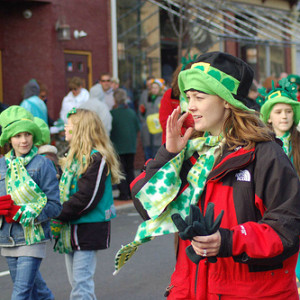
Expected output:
(123, 204)
(120, 204)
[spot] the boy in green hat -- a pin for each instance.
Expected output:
(29, 199)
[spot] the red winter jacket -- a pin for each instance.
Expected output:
(259, 192)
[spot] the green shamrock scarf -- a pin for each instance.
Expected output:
(26, 193)
(286, 140)
(67, 187)
(158, 196)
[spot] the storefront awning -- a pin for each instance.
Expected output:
(242, 22)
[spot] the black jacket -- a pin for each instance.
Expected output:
(91, 185)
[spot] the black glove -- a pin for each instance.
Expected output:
(195, 224)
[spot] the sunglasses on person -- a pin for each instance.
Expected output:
(105, 80)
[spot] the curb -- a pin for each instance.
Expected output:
(123, 206)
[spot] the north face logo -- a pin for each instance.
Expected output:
(243, 175)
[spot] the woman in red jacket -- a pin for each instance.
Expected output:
(231, 159)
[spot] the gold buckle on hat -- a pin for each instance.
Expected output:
(275, 94)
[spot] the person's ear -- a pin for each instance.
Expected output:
(269, 121)
(226, 104)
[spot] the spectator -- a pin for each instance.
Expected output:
(77, 96)
(32, 102)
(149, 110)
(115, 83)
(96, 103)
(145, 92)
(125, 127)
(105, 81)
(44, 96)
(170, 101)
(250, 101)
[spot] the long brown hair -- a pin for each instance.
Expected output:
(88, 134)
(295, 139)
(245, 128)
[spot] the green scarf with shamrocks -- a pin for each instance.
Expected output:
(158, 195)
(68, 187)
(26, 193)
(286, 140)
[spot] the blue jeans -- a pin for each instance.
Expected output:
(27, 279)
(81, 266)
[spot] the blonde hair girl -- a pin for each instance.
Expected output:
(83, 227)
(88, 133)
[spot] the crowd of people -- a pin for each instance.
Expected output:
(221, 172)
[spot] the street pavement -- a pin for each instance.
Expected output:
(145, 276)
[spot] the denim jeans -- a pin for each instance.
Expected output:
(27, 279)
(81, 266)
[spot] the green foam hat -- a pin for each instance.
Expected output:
(285, 93)
(45, 132)
(218, 73)
(16, 119)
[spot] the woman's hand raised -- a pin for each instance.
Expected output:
(175, 142)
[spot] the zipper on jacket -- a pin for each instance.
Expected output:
(196, 279)
(168, 289)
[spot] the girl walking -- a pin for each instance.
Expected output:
(29, 199)
(83, 227)
(231, 163)
(281, 111)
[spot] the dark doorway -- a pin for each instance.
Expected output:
(168, 62)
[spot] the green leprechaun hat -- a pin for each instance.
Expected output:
(16, 119)
(218, 73)
(285, 93)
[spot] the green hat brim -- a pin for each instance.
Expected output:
(18, 127)
(268, 106)
(201, 81)
(45, 131)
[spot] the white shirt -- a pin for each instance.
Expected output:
(70, 101)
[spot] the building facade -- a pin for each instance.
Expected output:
(37, 40)
(53, 40)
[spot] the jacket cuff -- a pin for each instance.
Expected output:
(164, 155)
(226, 243)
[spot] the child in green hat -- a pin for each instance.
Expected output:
(228, 162)
(29, 199)
(281, 111)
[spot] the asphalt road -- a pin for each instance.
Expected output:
(145, 276)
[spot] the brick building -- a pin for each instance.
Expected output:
(37, 41)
